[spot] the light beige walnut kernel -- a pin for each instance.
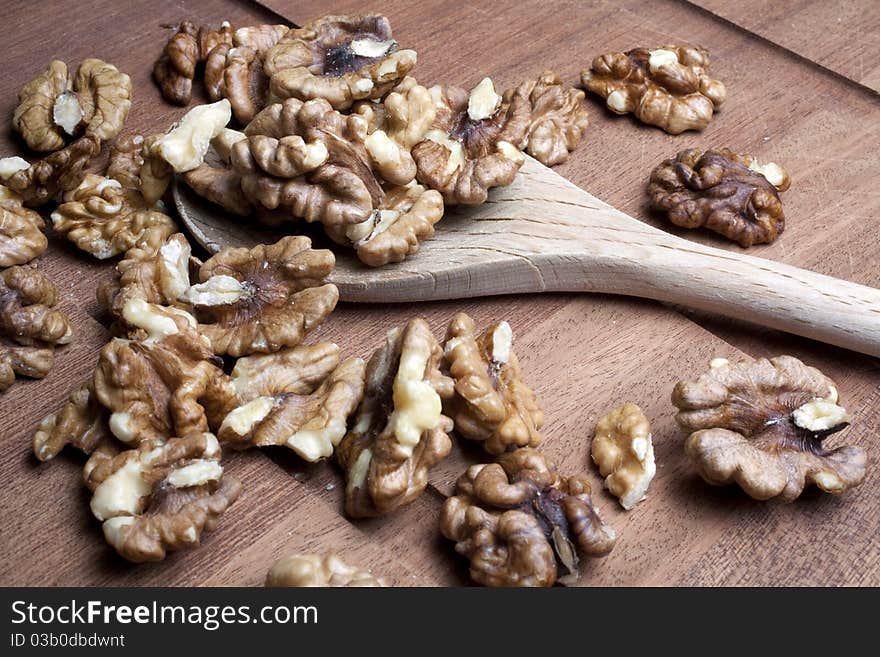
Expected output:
(522, 524)
(762, 424)
(176, 67)
(492, 404)
(160, 496)
(623, 450)
(21, 231)
(185, 145)
(263, 299)
(81, 422)
(399, 430)
(473, 144)
(45, 180)
(53, 107)
(558, 118)
(340, 59)
(304, 570)
(726, 192)
(668, 87)
(168, 383)
(103, 218)
(300, 397)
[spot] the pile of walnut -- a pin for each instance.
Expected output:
(67, 116)
(336, 131)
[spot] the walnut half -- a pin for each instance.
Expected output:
(728, 193)
(521, 524)
(624, 452)
(399, 430)
(317, 570)
(762, 424)
(668, 87)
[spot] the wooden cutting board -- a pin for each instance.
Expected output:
(582, 354)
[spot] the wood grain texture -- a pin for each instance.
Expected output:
(580, 353)
(543, 234)
(843, 36)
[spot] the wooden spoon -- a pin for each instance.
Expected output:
(544, 234)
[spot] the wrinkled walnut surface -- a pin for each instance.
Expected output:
(491, 404)
(160, 496)
(624, 451)
(339, 59)
(399, 430)
(300, 398)
(81, 422)
(176, 67)
(318, 570)
(103, 218)
(46, 179)
(668, 87)
(21, 231)
(54, 108)
(762, 424)
(721, 191)
(472, 145)
(558, 118)
(262, 299)
(27, 315)
(521, 524)
(168, 383)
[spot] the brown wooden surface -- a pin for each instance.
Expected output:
(843, 36)
(582, 354)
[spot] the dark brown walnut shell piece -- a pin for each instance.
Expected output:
(762, 424)
(522, 524)
(728, 193)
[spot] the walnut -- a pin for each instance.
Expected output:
(82, 422)
(400, 432)
(624, 452)
(668, 87)
(262, 299)
(316, 570)
(29, 326)
(176, 67)
(491, 404)
(104, 219)
(46, 179)
(209, 39)
(762, 423)
(558, 118)
(21, 231)
(522, 524)
(126, 161)
(52, 107)
(405, 114)
(33, 362)
(166, 384)
(27, 316)
(338, 58)
(472, 144)
(216, 180)
(160, 496)
(318, 164)
(299, 397)
(155, 269)
(235, 70)
(725, 192)
(185, 145)
(395, 230)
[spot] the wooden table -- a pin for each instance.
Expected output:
(802, 83)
